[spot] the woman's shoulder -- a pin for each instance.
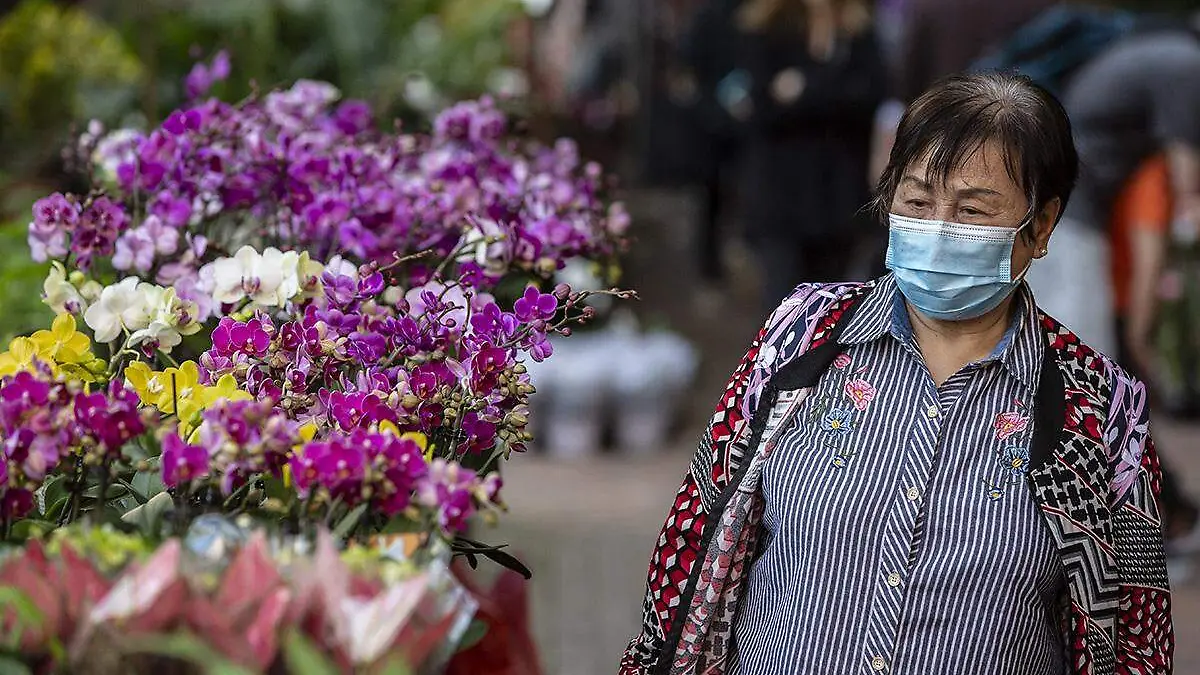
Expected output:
(817, 293)
(811, 302)
(1087, 365)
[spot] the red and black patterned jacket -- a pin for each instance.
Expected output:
(1094, 475)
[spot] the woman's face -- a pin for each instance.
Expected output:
(980, 192)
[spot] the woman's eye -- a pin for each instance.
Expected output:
(972, 212)
(917, 203)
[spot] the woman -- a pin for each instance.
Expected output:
(925, 474)
(807, 81)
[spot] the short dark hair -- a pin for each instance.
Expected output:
(961, 113)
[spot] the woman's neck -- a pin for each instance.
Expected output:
(948, 346)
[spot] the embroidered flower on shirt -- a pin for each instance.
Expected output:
(839, 421)
(1009, 424)
(993, 491)
(1015, 458)
(842, 361)
(860, 392)
(841, 458)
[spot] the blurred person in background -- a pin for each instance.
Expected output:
(807, 79)
(925, 473)
(1139, 232)
(706, 54)
(1138, 97)
(943, 37)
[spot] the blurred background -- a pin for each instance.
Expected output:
(729, 209)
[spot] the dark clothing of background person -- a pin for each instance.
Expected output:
(706, 53)
(804, 164)
(943, 37)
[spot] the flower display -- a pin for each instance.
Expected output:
(355, 610)
(275, 310)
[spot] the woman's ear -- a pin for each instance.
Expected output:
(1043, 225)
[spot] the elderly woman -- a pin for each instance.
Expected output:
(925, 473)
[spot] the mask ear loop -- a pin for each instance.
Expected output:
(1028, 222)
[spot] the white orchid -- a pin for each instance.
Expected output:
(170, 318)
(268, 279)
(248, 274)
(120, 307)
(488, 244)
(148, 312)
(340, 267)
(60, 294)
(301, 277)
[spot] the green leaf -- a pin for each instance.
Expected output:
(11, 666)
(474, 633)
(56, 508)
(348, 523)
(185, 647)
(303, 658)
(30, 528)
(26, 613)
(51, 492)
(149, 516)
(114, 491)
(508, 561)
(470, 548)
(275, 489)
(147, 484)
(396, 667)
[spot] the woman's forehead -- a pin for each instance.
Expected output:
(986, 166)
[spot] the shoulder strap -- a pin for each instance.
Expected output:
(1050, 414)
(806, 369)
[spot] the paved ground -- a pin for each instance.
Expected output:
(587, 527)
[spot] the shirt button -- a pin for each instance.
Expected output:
(933, 411)
(913, 494)
(878, 664)
(893, 580)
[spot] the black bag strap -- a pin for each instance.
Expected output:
(1050, 414)
(806, 370)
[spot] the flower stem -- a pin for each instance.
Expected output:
(102, 505)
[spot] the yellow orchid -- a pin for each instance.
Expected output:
(226, 389)
(22, 353)
(183, 384)
(194, 398)
(152, 387)
(422, 441)
(63, 342)
(180, 388)
(308, 431)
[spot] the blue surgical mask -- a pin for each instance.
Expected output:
(952, 271)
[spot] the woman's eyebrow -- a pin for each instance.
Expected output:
(918, 182)
(967, 193)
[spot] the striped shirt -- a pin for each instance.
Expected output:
(900, 536)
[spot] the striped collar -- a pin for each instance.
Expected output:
(883, 312)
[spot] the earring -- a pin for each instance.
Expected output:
(1044, 252)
